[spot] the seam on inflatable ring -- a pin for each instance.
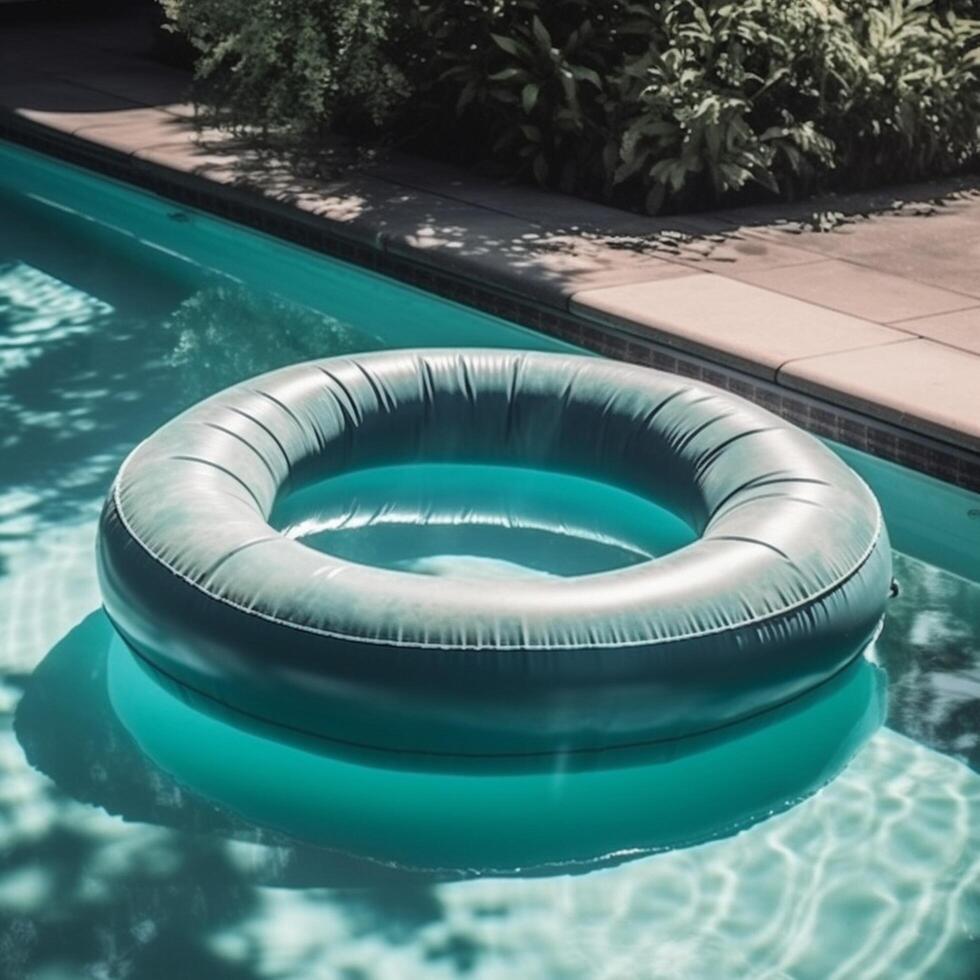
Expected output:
(423, 645)
(532, 754)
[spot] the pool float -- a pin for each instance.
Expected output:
(785, 584)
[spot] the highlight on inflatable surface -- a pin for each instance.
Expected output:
(314, 549)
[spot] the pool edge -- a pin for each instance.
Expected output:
(958, 465)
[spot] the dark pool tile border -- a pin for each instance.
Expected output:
(949, 463)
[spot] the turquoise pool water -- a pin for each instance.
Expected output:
(488, 521)
(143, 837)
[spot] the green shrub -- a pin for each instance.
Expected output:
(656, 105)
(528, 80)
(909, 100)
(293, 65)
(714, 102)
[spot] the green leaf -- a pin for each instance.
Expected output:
(658, 127)
(678, 174)
(584, 74)
(774, 133)
(640, 26)
(712, 139)
(764, 176)
(511, 46)
(466, 96)
(702, 20)
(506, 74)
(529, 97)
(504, 95)
(541, 35)
(568, 86)
(610, 154)
(733, 175)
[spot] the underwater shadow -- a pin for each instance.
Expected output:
(110, 734)
(85, 373)
(152, 896)
(70, 732)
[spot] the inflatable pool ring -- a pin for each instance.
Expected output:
(785, 584)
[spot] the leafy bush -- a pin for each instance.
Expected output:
(713, 101)
(293, 65)
(528, 94)
(910, 95)
(669, 104)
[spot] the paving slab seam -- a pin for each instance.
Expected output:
(136, 103)
(809, 357)
(408, 185)
(897, 324)
(968, 299)
(924, 452)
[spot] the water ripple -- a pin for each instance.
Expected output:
(826, 890)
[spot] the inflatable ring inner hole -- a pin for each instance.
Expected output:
(479, 521)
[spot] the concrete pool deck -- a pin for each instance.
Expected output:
(868, 333)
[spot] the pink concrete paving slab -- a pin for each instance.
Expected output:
(736, 254)
(358, 207)
(706, 241)
(473, 242)
(559, 212)
(918, 384)
(731, 322)
(177, 147)
(129, 130)
(162, 88)
(939, 228)
(960, 329)
(954, 266)
(369, 209)
(727, 251)
(524, 258)
(858, 290)
(59, 104)
(938, 196)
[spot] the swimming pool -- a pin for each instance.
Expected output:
(123, 858)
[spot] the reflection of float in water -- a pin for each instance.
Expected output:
(584, 810)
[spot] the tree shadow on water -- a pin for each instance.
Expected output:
(83, 379)
(148, 890)
(930, 647)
